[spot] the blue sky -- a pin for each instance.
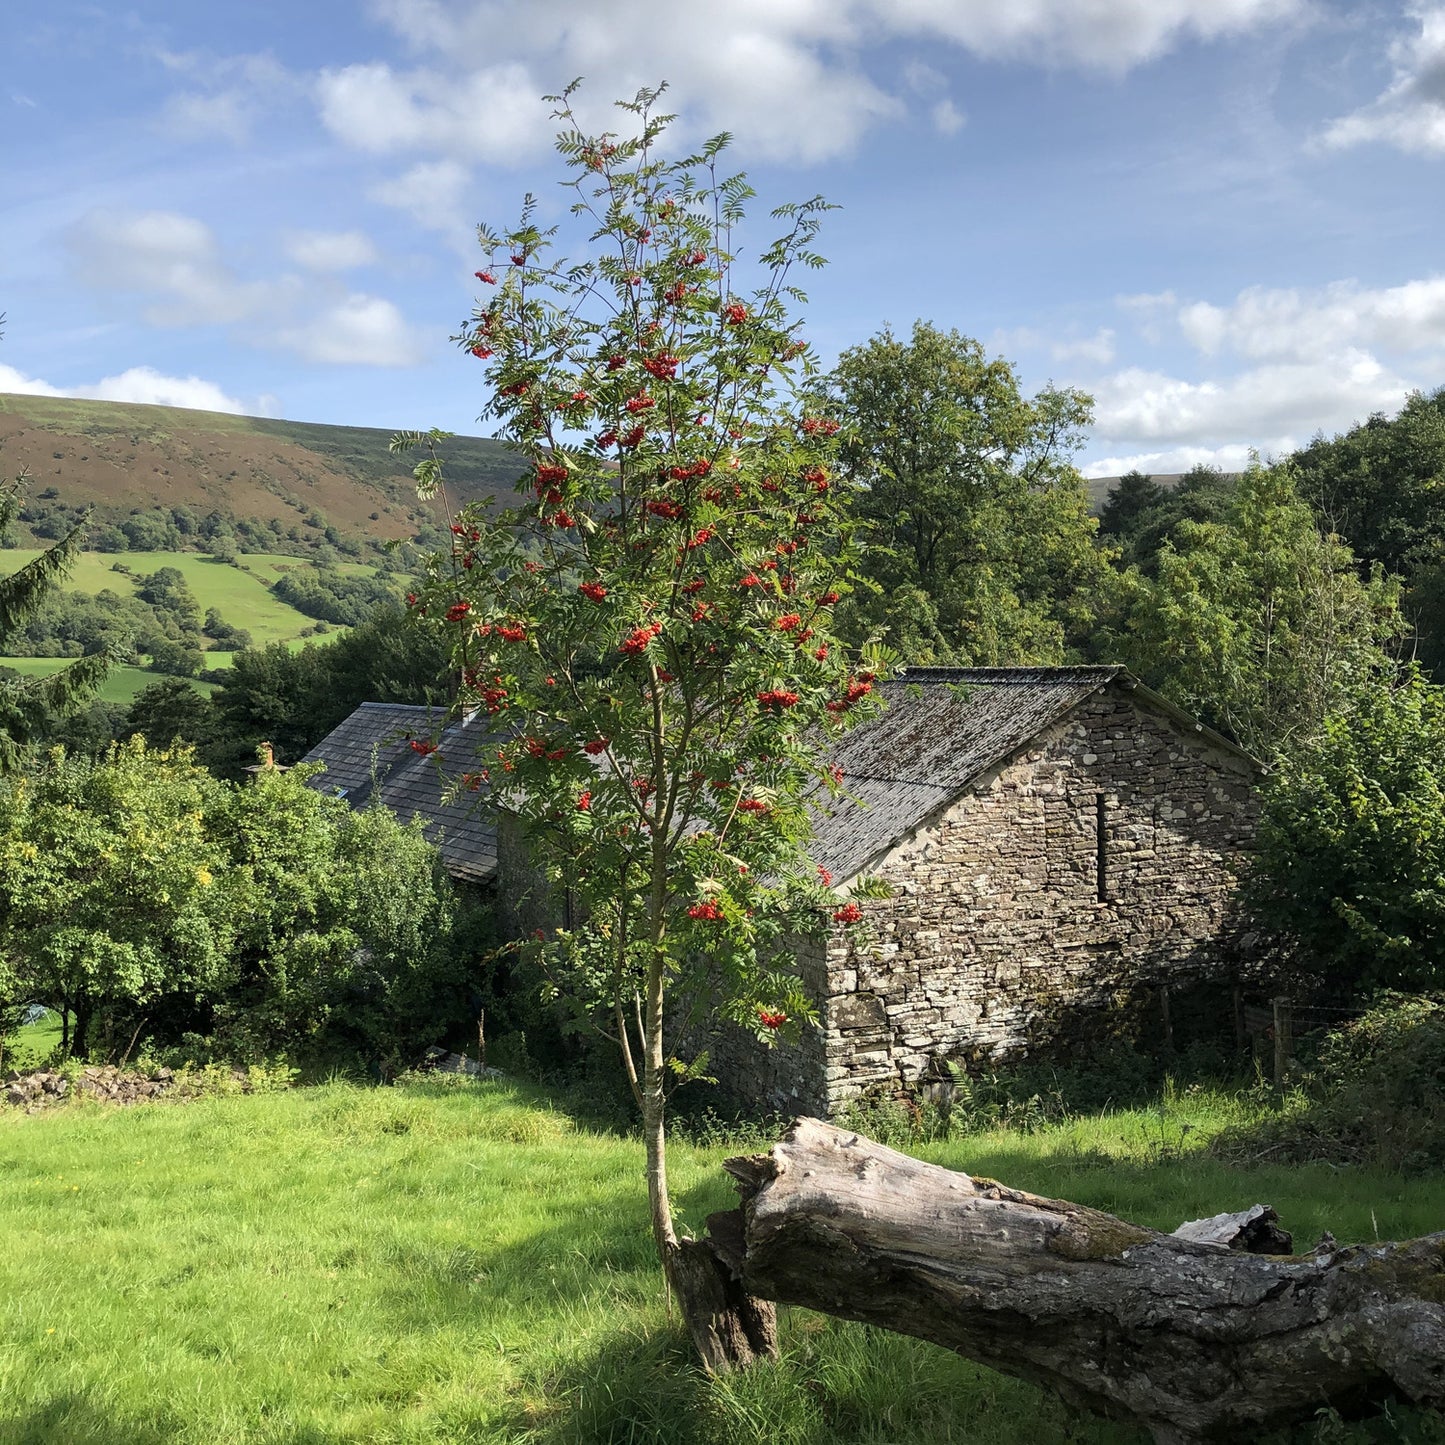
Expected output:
(1222, 218)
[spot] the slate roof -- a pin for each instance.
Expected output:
(942, 728)
(369, 757)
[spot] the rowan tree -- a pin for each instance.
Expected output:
(650, 626)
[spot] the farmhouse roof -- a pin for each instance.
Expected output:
(943, 727)
(369, 758)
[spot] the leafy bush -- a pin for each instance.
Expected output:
(1375, 1096)
(331, 596)
(1349, 874)
(145, 901)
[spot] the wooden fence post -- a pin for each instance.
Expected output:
(1283, 1039)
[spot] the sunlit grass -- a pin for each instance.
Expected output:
(435, 1264)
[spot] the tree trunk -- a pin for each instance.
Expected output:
(1189, 1338)
(729, 1328)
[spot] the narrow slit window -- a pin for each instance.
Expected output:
(1101, 848)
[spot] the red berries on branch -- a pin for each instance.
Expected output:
(735, 313)
(593, 591)
(708, 911)
(777, 699)
(424, 746)
(636, 641)
(848, 913)
(770, 1018)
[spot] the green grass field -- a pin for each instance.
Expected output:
(121, 683)
(428, 1264)
(239, 593)
(32, 1044)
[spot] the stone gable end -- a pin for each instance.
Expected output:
(1097, 861)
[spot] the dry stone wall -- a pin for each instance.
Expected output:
(1098, 862)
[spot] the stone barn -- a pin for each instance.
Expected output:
(1056, 839)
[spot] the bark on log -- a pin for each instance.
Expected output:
(1193, 1340)
(730, 1328)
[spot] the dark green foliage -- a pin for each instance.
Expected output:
(1135, 496)
(24, 704)
(331, 596)
(1375, 1095)
(983, 551)
(1349, 875)
(1255, 622)
(1202, 494)
(167, 712)
(349, 942)
(221, 632)
(1379, 485)
(151, 531)
(107, 885)
(293, 699)
(139, 897)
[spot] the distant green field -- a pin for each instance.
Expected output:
(240, 594)
(121, 683)
(32, 1043)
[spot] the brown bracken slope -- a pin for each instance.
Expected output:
(124, 456)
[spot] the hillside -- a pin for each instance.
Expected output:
(120, 457)
(1098, 488)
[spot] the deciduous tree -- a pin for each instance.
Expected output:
(984, 550)
(650, 628)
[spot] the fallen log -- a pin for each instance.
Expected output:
(1194, 1340)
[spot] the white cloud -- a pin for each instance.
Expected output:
(1095, 350)
(1264, 406)
(171, 257)
(788, 77)
(331, 250)
(227, 96)
(494, 114)
(137, 384)
(359, 330)
(1410, 113)
(1103, 34)
(18, 384)
(433, 194)
(1264, 323)
(948, 119)
(1232, 458)
(175, 263)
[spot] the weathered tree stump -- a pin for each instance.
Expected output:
(1194, 1340)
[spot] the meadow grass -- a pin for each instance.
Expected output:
(470, 1263)
(31, 1044)
(240, 594)
(121, 684)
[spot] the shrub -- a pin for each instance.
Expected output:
(1351, 854)
(1375, 1096)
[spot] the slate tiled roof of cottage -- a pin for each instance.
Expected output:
(943, 727)
(369, 756)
